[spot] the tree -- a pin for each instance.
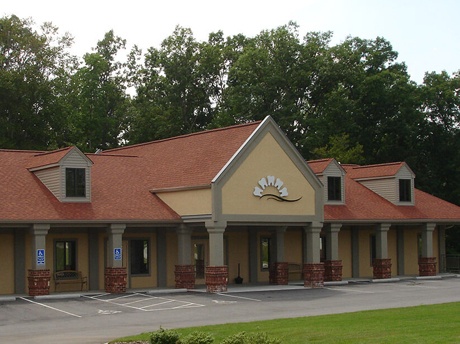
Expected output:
(100, 97)
(34, 69)
(439, 160)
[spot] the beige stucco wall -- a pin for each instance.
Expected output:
(238, 247)
(365, 267)
(7, 263)
(188, 202)
(267, 159)
(345, 252)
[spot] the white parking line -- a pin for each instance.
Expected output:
(239, 297)
(351, 290)
(145, 298)
(46, 306)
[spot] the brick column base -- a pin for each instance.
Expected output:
(313, 275)
(333, 270)
(382, 268)
(115, 280)
(39, 282)
(185, 276)
(216, 278)
(427, 266)
(278, 273)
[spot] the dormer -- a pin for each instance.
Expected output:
(332, 175)
(65, 172)
(392, 181)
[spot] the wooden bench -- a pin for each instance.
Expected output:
(69, 277)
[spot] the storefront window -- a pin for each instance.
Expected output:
(65, 255)
(139, 256)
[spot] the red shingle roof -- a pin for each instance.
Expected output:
(374, 171)
(121, 178)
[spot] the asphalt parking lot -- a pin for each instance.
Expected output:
(100, 317)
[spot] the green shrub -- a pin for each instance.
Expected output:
(163, 336)
(198, 338)
(247, 338)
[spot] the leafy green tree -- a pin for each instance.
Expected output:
(439, 160)
(100, 97)
(34, 71)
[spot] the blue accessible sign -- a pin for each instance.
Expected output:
(117, 253)
(40, 257)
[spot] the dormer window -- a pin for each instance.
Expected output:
(75, 182)
(405, 190)
(334, 188)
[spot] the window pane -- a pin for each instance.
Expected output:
(139, 256)
(75, 182)
(334, 188)
(405, 190)
(65, 255)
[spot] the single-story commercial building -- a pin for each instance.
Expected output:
(230, 205)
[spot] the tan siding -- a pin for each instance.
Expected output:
(75, 160)
(383, 187)
(50, 178)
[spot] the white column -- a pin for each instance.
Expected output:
(216, 242)
(312, 232)
(427, 240)
(332, 241)
(381, 236)
(280, 244)
(115, 245)
(39, 232)
(184, 243)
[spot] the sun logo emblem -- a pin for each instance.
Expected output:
(268, 185)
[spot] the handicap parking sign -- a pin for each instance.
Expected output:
(117, 253)
(40, 257)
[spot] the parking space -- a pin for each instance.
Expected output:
(142, 302)
(95, 318)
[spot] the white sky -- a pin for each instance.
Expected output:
(425, 33)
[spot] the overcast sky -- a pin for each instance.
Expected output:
(425, 33)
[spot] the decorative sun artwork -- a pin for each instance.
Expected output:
(267, 185)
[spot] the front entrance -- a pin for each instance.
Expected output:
(200, 259)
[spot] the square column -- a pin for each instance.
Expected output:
(39, 276)
(382, 264)
(184, 272)
(216, 274)
(427, 262)
(333, 265)
(279, 271)
(115, 274)
(313, 269)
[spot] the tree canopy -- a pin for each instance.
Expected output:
(353, 101)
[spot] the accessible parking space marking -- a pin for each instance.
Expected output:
(143, 302)
(49, 307)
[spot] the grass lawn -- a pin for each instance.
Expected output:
(421, 324)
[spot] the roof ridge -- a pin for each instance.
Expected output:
(54, 151)
(8, 150)
(319, 160)
(181, 136)
(378, 165)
